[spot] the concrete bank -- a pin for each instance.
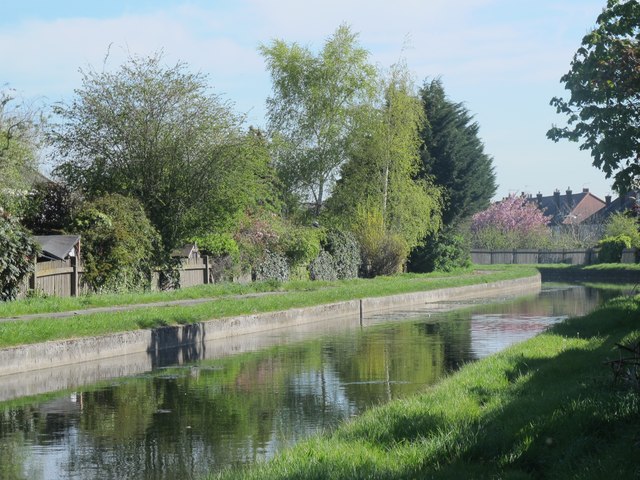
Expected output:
(152, 342)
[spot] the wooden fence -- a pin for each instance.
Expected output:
(63, 278)
(585, 256)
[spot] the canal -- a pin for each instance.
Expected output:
(253, 395)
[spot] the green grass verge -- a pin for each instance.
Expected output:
(58, 304)
(546, 408)
(297, 294)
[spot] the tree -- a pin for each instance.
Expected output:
(604, 105)
(381, 173)
(157, 134)
(453, 154)
(49, 208)
(514, 222)
(311, 112)
(19, 141)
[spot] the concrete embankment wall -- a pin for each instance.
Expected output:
(151, 342)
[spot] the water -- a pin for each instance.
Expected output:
(185, 421)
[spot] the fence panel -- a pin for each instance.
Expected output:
(586, 256)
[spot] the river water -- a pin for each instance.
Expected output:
(184, 421)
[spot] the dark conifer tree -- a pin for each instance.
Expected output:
(453, 155)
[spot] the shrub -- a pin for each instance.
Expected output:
(623, 224)
(445, 252)
(611, 248)
(381, 253)
(345, 251)
(273, 266)
(119, 244)
(323, 267)
(300, 245)
(17, 256)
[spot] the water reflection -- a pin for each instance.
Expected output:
(185, 421)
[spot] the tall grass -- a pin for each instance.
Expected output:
(546, 408)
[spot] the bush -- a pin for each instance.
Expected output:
(273, 266)
(323, 267)
(445, 252)
(300, 245)
(381, 253)
(217, 244)
(623, 224)
(345, 252)
(611, 248)
(119, 244)
(17, 256)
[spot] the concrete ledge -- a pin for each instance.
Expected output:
(54, 354)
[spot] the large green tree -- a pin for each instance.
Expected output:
(603, 108)
(384, 161)
(158, 134)
(311, 111)
(19, 142)
(454, 155)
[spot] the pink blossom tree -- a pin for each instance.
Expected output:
(514, 222)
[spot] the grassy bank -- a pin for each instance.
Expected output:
(295, 294)
(546, 408)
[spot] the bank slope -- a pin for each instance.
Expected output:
(547, 408)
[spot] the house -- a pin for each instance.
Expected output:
(58, 247)
(623, 203)
(571, 208)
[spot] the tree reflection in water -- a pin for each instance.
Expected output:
(186, 421)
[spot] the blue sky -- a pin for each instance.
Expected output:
(502, 58)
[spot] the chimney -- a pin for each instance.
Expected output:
(569, 197)
(607, 199)
(539, 197)
(556, 197)
(585, 190)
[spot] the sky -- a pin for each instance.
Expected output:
(502, 58)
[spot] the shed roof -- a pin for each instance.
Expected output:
(57, 247)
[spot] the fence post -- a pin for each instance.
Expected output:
(74, 276)
(206, 269)
(32, 276)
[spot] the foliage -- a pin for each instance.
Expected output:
(217, 244)
(453, 154)
(382, 253)
(446, 251)
(383, 163)
(157, 134)
(272, 266)
(119, 244)
(604, 83)
(17, 256)
(513, 222)
(49, 208)
(611, 248)
(623, 224)
(312, 108)
(19, 142)
(300, 244)
(323, 267)
(345, 251)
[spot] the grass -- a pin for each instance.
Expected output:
(546, 408)
(296, 294)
